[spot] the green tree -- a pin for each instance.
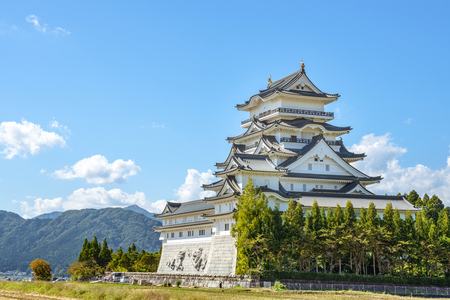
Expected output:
(94, 250)
(372, 216)
(433, 207)
(444, 223)
(315, 218)
(414, 198)
(388, 218)
(248, 229)
(104, 256)
(338, 216)
(349, 215)
(84, 254)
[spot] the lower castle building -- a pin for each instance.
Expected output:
(290, 151)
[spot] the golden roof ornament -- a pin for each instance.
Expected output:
(269, 81)
(234, 150)
(303, 66)
(340, 138)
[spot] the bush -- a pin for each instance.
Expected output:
(178, 282)
(438, 281)
(41, 269)
(279, 286)
(167, 284)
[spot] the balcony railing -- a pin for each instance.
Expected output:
(307, 141)
(292, 111)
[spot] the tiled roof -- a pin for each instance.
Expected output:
(188, 207)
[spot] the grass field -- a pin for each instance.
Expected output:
(74, 290)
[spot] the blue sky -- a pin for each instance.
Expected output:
(135, 94)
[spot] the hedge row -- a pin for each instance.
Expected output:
(437, 281)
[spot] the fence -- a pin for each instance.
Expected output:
(375, 288)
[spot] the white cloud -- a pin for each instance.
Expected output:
(97, 170)
(156, 125)
(408, 121)
(26, 137)
(97, 197)
(42, 171)
(61, 31)
(35, 21)
(44, 28)
(383, 159)
(41, 206)
(64, 129)
(191, 188)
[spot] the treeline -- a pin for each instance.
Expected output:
(338, 241)
(95, 258)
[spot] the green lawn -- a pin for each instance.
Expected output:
(77, 290)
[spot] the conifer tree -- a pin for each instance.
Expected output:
(250, 217)
(388, 218)
(444, 223)
(94, 250)
(316, 218)
(433, 207)
(349, 215)
(323, 218)
(362, 216)
(413, 197)
(410, 230)
(398, 225)
(84, 254)
(275, 230)
(330, 218)
(104, 256)
(293, 218)
(371, 217)
(338, 216)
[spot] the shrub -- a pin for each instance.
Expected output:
(178, 282)
(41, 269)
(279, 286)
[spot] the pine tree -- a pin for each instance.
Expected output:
(323, 218)
(338, 216)
(84, 254)
(104, 256)
(371, 217)
(413, 197)
(398, 225)
(316, 217)
(362, 216)
(410, 230)
(433, 207)
(293, 218)
(330, 218)
(388, 218)
(444, 223)
(250, 217)
(94, 250)
(349, 215)
(275, 230)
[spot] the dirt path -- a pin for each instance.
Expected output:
(5, 294)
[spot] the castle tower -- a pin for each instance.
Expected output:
(290, 151)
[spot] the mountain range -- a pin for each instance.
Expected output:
(58, 237)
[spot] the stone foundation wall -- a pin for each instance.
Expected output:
(217, 281)
(222, 256)
(188, 258)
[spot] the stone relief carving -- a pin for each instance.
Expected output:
(199, 262)
(176, 263)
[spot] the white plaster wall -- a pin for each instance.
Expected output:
(302, 104)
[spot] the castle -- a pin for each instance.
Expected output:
(290, 151)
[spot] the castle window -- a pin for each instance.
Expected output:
(292, 186)
(201, 232)
(227, 226)
(180, 234)
(220, 207)
(304, 187)
(316, 159)
(230, 206)
(310, 167)
(335, 187)
(167, 235)
(321, 186)
(327, 167)
(293, 138)
(190, 233)
(211, 231)
(170, 222)
(172, 235)
(317, 186)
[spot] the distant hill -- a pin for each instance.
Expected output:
(60, 240)
(51, 215)
(133, 207)
(140, 210)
